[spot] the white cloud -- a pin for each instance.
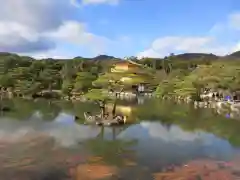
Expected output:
(180, 43)
(37, 27)
(38, 15)
(166, 45)
(150, 53)
(232, 23)
(19, 38)
(211, 43)
(236, 47)
(55, 53)
(22, 30)
(174, 134)
(64, 130)
(8, 28)
(75, 33)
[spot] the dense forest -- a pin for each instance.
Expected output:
(184, 74)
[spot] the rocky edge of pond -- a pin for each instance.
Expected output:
(221, 106)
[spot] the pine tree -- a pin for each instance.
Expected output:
(67, 87)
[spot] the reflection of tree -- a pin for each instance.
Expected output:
(20, 109)
(77, 108)
(115, 131)
(167, 113)
(80, 107)
(113, 151)
(66, 106)
(49, 111)
(191, 119)
(24, 109)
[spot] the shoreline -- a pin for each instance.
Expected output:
(221, 106)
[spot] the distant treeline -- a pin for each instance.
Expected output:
(181, 74)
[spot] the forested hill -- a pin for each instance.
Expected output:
(102, 63)
(109, 60)
(28, 75)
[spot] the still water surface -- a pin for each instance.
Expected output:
(42, 141)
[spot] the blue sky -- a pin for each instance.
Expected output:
(120, 27)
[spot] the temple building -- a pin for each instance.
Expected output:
(133, 76)
(124, 67)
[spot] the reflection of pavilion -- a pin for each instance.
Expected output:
(124, 109)
(124, 106)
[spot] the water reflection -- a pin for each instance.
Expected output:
(176, 143)
(60, 147)
(63, 129)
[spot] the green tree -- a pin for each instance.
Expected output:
(67, 87)
(84, 81)
(49, 78)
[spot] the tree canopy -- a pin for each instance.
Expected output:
(173, 75)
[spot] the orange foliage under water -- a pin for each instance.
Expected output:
(199, 170)
(93, 171)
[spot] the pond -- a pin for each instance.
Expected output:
(42, 141)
